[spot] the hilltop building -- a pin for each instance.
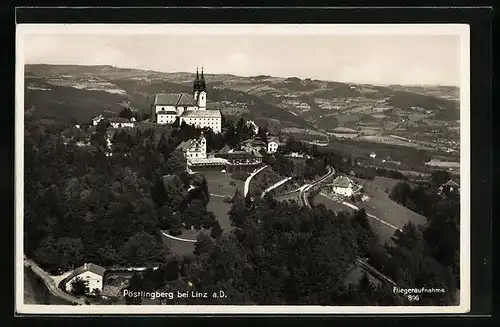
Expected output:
(189, 109)
(194, 148)
(195, 151)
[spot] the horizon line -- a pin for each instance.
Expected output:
(223, 73)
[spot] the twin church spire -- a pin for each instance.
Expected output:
(199, 83)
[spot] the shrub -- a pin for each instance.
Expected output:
(232, 183)
(175, 231)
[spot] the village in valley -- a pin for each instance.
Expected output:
(189, 179)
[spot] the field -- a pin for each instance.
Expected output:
(384, 183)
(380, 206)
(383, 231)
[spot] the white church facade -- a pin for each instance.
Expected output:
(189, 109)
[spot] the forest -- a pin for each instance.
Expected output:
(108, 203)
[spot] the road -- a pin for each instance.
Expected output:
(305, 188)
(249, 178)
(50, 282)
(281, 182)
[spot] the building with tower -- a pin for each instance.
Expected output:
(189, 109)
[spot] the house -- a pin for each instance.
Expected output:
(373, 155)
(189, 109)
(344, 186)
(118, 122)
(194, 148)
(252, 145)
(450, 186)
(272, 145)
(91, 273)
(97, 119)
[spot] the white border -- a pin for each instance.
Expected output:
(461, 30)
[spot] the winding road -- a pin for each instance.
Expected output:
(305, 188)
(51, 282)
(249, 178)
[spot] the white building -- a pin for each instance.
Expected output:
(96, 120)
(91, 273)
(373, 155)
(194, 148)
(272, 146)
(344, 186)
(191, 110)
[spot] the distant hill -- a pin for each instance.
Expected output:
(265, 97)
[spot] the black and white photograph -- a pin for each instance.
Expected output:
(243, 168)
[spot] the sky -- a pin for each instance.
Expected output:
(370, 59)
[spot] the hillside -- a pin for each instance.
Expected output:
(72, 92)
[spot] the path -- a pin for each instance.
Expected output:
(178, 238)
(49, 282)
(220, 195)
(249, 178)
(281, 182)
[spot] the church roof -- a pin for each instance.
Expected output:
(174, 99)
(202, 114)
(167, 99)
(186, 100)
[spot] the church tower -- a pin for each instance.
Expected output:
(196, 85)
(202, 96)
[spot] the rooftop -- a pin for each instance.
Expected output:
(451, 182)
(202, 114)
(341, 181)
(174, 99)
(167, 99)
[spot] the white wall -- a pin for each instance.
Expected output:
(272, 147)
(166, 119)
(202, 102)
(346, 191)
(94, 281)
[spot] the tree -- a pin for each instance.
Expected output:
(126, 113)
(102, 126)
(135, 285)
(142, 248)
(193, 215)
(171, 270)
(204, 189)
(216, 230)
(203, 245)
(79, 286)
(440, 177)
(176, 162)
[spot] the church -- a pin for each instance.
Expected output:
(190, 109)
